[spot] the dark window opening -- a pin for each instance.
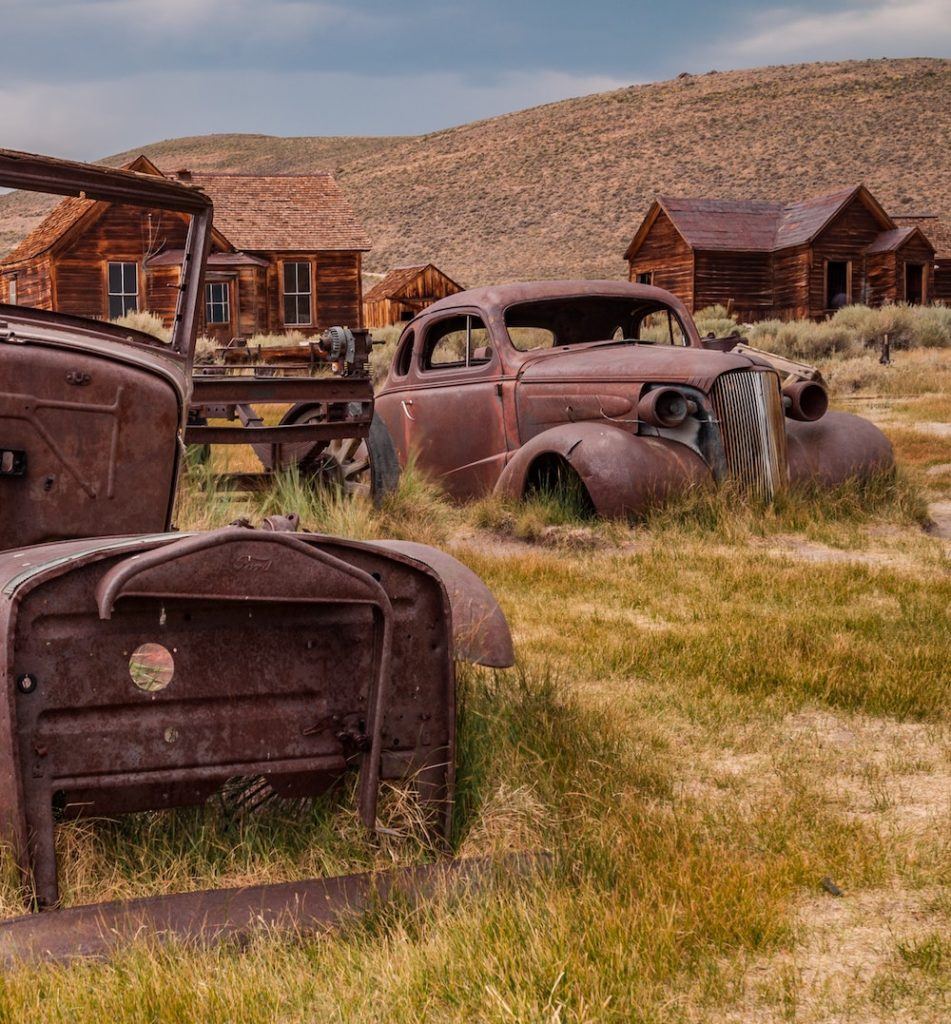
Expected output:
(646, 277)
(297, 294)
(914, 283)
(578, 320)
(456, 343)
(123, 289)
(217, 303)
(837, 284)
(405, 357)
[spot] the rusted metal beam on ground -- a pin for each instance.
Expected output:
(213, 915)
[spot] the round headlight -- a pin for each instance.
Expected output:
(663, 407)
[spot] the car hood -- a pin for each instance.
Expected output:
(634, 362)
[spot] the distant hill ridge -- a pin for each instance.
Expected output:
(558, 190)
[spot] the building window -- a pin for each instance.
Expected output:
(646, 277)
(914, 283)
(297, 294)
(12, 290)
(123, 289)
(217, 302)
(838, 283)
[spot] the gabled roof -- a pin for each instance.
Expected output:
(283, 212)
(890, 241)
(745, 225)
(936, 230)
(277, 212)
(65, 216)
(398, 278)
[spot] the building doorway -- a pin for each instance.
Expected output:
(914, 283)
(838, 284)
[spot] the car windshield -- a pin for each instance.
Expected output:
(547, 323)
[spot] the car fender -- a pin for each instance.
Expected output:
(624, 473)
(833, 449)
(479, 627)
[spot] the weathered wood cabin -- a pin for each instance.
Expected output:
(786, 261)
(938, 233)
(404, 292)
(286, 255)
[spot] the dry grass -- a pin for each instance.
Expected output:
(713, 711)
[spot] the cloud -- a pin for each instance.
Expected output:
(885, 27)
(93, 119)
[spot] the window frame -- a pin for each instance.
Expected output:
(641, 274)
(224, 303)
(296, 295)
(123, 294)
(425, 365)
(12, 291)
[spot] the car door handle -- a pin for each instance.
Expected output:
(406, 403)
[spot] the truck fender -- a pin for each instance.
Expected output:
(624, 473)
(830, 450)
(480, 631)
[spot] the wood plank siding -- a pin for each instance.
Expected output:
(784, 261)
(64, 263)
(404, 292)
(667, 258)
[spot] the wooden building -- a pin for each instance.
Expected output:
(404, 292)
(938, 233)
(286, 255)
(787, 261)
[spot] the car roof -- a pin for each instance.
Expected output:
(500, 296)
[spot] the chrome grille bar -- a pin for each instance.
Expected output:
(749, 407)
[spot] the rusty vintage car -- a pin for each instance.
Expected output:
(521, 386)
(145, 669)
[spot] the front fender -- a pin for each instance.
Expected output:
(835, 448)
(624, 473)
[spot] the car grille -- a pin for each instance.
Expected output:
(749, 407)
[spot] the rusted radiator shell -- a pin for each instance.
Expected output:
(297, 657)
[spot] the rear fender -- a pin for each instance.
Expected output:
(624, 473)
(835, 448)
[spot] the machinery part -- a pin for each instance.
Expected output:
(624, 474)
(805, 400)
(357, 466)
(663, 407)
(161, 667)
(836, 448)
(213, 915)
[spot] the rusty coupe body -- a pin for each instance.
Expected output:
(507, 388)
(147, 672)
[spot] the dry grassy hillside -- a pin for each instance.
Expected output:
(558, 190)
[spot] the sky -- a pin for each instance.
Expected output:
(88, 78)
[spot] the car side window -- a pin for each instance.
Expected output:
(404, 357)
(663, 328)
(456, 343)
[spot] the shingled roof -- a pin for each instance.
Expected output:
(260, 213)
(397, 279)
(936, 230)
(282, 212)
(746, 225)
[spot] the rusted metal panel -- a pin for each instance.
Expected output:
(144, 673)
(204, 917)
(587, 398)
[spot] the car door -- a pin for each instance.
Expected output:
(452, 410)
